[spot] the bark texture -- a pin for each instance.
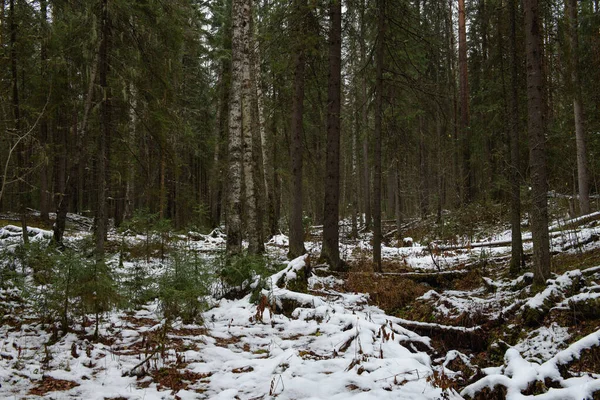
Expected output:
(515, 186)
(249, 132)
(537, 143)
(331, 252)
(464, 102)
(234, 175)
(296, 154)
(377, 137)
(582, 168)
(105, 126)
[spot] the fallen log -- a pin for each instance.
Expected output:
(451, 337)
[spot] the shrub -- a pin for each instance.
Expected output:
(185, 281)
(243, 274)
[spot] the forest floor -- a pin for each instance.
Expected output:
(444, 321)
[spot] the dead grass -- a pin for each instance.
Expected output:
(49, 384)
(564, 262)
(470, 281)
(176, 380)
(387, 292)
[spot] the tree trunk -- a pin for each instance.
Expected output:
(331, 252)
(266, 181)
(16, 106)
(537, 143)
(63, 191)
(255, 245)
(216, 181)
(464, 102)
(515, 185)
(234, 176)
(44, 200)
(582, 171)
(365, 120)
(131, 139)
(105, 126)
(296, 247)
(377, 137)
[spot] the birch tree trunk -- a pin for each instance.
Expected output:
(537, 143)
(253, 228)
(234, 175)
(130, 185)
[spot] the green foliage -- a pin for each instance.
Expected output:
(156, 230)
(186, 280)
(138, 285)
(246, 273)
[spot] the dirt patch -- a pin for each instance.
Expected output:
(176, 380)
(387, 292)
(49, 384)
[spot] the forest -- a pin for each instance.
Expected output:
(301, 199)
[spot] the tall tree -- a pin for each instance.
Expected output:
(582, 168)
(296, 247)
(514, 175)
(464, 102)
(331, 251)
(105, 127)
(234, 176)
(250, 135)
(377, 136)
(19, 134)
(536, 126)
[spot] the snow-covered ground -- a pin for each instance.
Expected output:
(321, 344)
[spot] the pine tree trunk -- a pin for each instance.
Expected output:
(464, 102)
(16, 106)
(216, 182)
(377, 137)
(364, 120)
(61, 183)
(234, 176)
(582, 171)
(296, 238)
(537, 143)
(266, 181)
(515, 185)
(44, 200)
(105, 126)
(331, 252)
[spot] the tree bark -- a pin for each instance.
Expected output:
(105, 126)
(296, 238)
(255, 244)
(582, 169)
(464, 102)
(377, 137)
(365, 120)
(537, 143)
(131, 139)
(16, 106)
(515, 186)
(331, 252)
(234, 176)
(44, 200)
